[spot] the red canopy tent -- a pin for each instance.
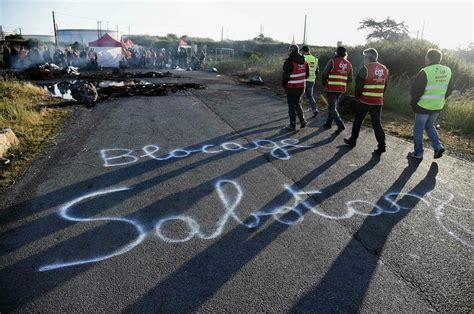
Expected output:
(105, 41)
(109, 51)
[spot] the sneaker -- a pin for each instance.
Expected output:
(339, 130)
(349, 142)
(327, 126)
(315, 114)
(303, 124)
(415, 156)
(439, 153)
(379, 151)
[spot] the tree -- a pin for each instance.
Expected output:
(14, 37)
(387, 29)
(262, 38)
(172, 37)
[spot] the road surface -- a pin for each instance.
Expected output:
(197, 201)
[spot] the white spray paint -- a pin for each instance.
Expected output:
(113, 157)
(441, 217)
(230, 202)
(63, 212)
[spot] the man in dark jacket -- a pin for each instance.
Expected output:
(295, 73)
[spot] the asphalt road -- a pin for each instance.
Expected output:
(198, 202)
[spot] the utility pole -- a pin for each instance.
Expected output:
(304, 33)
(129, 32)
(98, 31)
(261, 29)
(107, 26)
(423, 30)
(55, 30)
(222, 34)
(116, 32)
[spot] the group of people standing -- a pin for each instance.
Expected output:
(31, 57)
(431, 87)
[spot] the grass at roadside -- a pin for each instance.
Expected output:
(24, 109)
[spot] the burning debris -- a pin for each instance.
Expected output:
(119, 75)
(84, 92)
(146, 89)
(47, 72)
(51, 71)
(89, 93)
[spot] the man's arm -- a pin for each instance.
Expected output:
(418, 88)
(450, 88)
(360, 81)
(349, 77)
(325, 75)
(287, 68)
(307, 71)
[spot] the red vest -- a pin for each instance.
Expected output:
(372, 92)
(337, 79)
(297, 76)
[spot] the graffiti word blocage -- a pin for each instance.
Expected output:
(120, 156)
(231, 193)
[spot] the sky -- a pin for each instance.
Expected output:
(448, 24)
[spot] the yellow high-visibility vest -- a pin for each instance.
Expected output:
(312, 63)
(437, 80)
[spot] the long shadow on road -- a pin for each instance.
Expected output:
(64, 194)
(345, 284)
(202, 276)
(70, 248)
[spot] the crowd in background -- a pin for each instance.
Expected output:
(31, 57)
(162, 58)
(86, 58)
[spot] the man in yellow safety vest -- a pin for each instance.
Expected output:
(313, 71)
(429, 91)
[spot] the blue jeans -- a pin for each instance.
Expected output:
(425, 122)
(333, 114)
(309, 94)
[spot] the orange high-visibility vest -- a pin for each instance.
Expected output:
(337, 79)
(374, 86)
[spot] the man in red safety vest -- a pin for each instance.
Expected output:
(295, 73)
(336, 75)
(371, 83)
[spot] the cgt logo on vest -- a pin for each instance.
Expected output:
(301, 66)
(342, 67)
(379, 73)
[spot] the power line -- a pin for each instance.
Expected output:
(79, 17)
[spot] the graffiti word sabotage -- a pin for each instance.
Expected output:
(230, 194)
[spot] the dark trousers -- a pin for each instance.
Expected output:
(294, 108)
(375, 113)
(333, 115)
